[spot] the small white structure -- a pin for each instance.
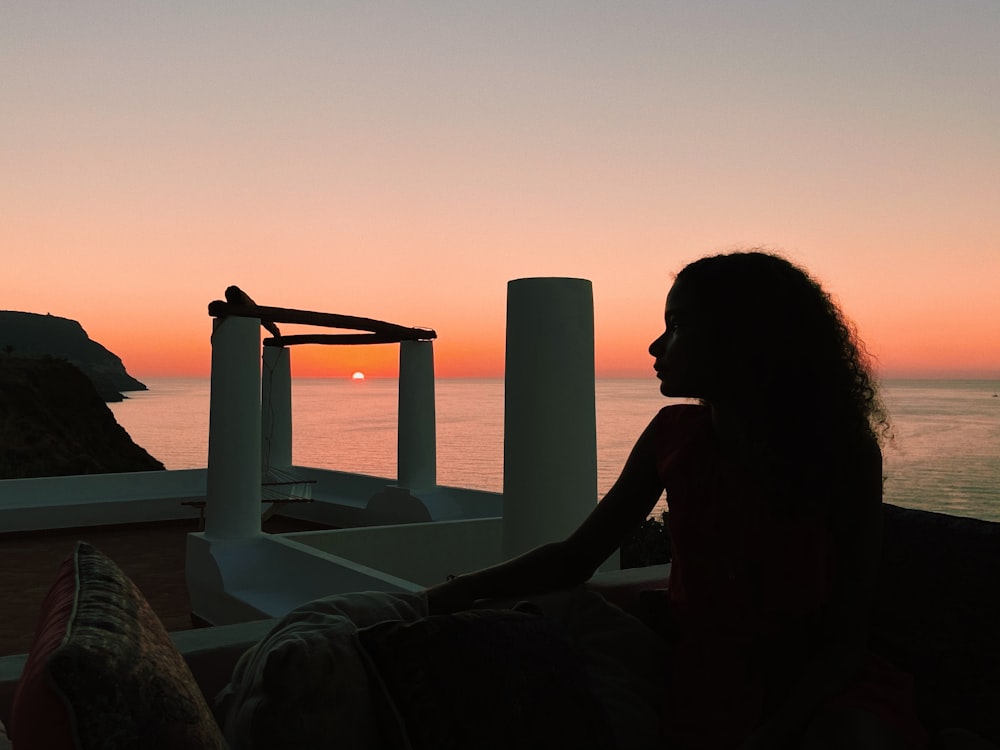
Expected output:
(550, 424)
(276, 409)
(550, 474)
(234, 447)
(416, 443)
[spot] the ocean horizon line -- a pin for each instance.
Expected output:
(881, 379)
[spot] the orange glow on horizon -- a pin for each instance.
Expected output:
(292, 155)
(626, 357)
(925, 345)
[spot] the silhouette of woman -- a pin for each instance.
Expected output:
(774, 485)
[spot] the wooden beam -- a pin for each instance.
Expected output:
(342, 339)
(221, 309)
(237, 296)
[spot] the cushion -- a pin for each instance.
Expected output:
(627, 662)
(488, 680)
(102, 671)
(308, 680)
(936, 614)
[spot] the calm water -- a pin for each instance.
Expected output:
(946, 455)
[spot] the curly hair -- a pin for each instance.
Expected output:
(789, 357)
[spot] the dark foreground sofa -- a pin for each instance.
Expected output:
(936, 615)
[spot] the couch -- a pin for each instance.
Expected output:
(936, 615)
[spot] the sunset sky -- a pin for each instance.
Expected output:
(403, 161)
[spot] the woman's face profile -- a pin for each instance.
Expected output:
(680, 353)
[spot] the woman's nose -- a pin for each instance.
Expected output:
(656, 347)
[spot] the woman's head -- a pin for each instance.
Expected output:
(753, 331)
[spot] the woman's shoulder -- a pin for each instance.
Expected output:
(678, 424)
(684, 414)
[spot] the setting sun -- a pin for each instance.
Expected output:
(358, 376)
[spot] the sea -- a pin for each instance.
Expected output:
(945, 454)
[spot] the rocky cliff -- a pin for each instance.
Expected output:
(33, 335)
(54, 423)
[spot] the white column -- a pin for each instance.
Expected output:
(233, 509)
(416, 447)
(550, 423)
(276, 408)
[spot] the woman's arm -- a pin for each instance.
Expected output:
(857, 535)
(573, 560)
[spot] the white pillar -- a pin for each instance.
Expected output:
(233, 509)
(550, 423)
(416, 448)
(276, 408)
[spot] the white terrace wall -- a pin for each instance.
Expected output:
(235, 580)
(42, 503)
(425, 553)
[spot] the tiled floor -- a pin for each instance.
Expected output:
(152, 555)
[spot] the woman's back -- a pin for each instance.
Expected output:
(748, 584)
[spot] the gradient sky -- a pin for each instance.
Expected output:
(403, 161)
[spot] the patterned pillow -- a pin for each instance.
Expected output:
(102, 673)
